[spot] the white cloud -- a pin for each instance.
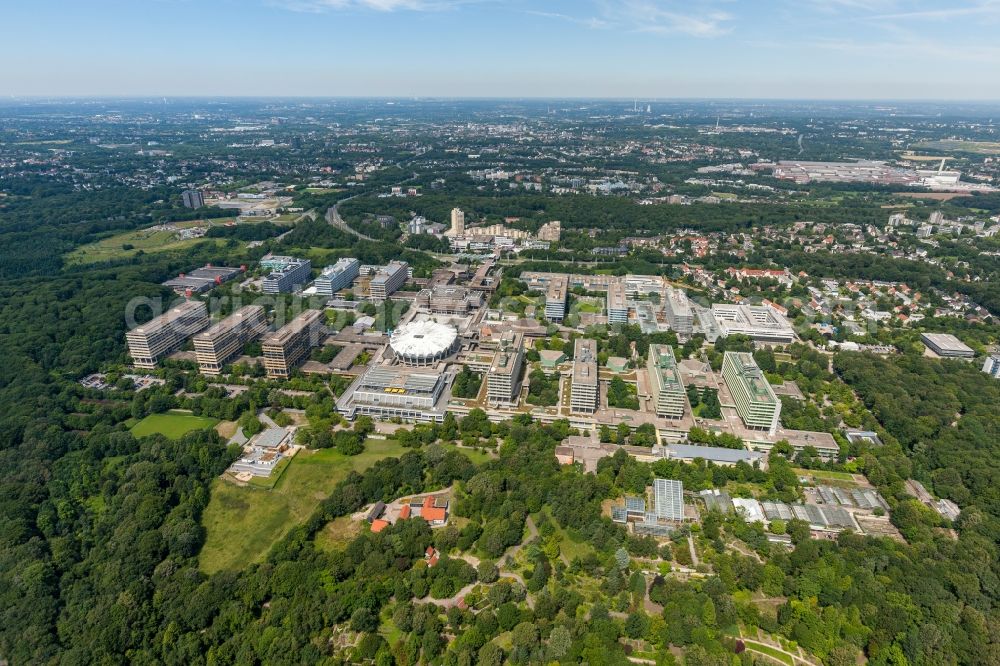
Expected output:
(705, 19)
(894, 10)
(586, 21)
(372, 5)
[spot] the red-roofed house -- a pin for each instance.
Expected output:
(378, 525)
(432, 556)
(433, 514)
(404, 513)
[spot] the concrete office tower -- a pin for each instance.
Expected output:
(193, 199)
(583, 391)
(617, 305)
(286, 348)
(556, 294)
(677, 307)
(149, 342)
(457, 222)
(294, 273)
(503, 379)
(550, 231)
(665, 380)
(222, 342)
(389, 279)
(337, 277)
(755, 400)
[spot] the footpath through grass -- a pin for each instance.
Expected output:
(172, 424)
(243, 522)
(769, 651)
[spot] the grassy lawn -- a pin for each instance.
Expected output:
(825, 474)
(769, 651)
(589, 306)
(242, 523)
(978, 147)
(337, 533)
(390, 632)
(172, 424)
(147, 240)
(477, 457)
(226, 429)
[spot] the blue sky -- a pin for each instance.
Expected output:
(830, 49)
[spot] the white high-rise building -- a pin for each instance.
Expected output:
(678, 311)
(584, 389)
(503, 380)
(555, 297)
(755, 400)
(665, 381)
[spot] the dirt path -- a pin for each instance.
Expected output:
(474, 561)
(515, 549)
(454, 599)
(773, 644)
(743, 550)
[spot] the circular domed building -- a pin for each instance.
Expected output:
(423, 342)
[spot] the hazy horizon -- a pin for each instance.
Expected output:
(838, 50)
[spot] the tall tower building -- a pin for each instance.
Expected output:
(503, 380)
(665, 380)
(457, 222)
(220, 343)
(755, 400)
(193, 199)
(288, 346)
(160, 336)
(583, 390)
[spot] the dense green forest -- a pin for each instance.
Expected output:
(945, 415)
(609, 213)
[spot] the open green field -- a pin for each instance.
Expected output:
(172, 424)
(147, 240)
(589, 306)
(477, 457)
(128, 244)
(243, 522)
(978, 147)
(339, 532)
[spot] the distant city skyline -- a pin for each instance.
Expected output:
(784, 49)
